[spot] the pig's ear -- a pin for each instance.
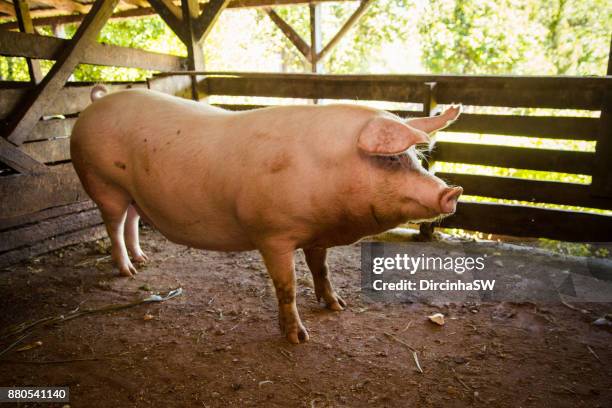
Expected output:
(435, 123)
(387, 136)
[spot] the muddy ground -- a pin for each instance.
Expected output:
(218, 344)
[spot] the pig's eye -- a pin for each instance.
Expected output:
(396, 162)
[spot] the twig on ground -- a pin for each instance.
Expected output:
(593, 353)
(412, 349)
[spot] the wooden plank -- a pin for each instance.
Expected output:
(18, 160)
(602, 176)
(24, 194)
(290, 33)
(512, 91)
(208, 17)
(51, 244)
(22, 11)
(28, 219)
(36, 102)
(71, 99)
(575, 128)
(324, 88)
(31, 234)
(352, 20)
(524, 221)
(515, 157)
(43, 47)
(6, 8)
(48, 151)
(537, 191)
(52, 129)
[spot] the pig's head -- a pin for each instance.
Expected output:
(403, 189)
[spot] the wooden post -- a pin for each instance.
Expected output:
(316, 39)
(426, 229)
(195, 55)
(601, 185)
(18, 160)
(22, 12)
(36, 102)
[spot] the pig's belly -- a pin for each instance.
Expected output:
(203, 229)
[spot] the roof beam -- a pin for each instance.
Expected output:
(207, 19)
(290, 33)
(172, 16)
(34, 104)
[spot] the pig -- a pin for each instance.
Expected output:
(274, 179)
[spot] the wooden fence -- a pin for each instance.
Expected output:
(43, 206)
(583, 93)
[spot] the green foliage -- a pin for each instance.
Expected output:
(516, 36)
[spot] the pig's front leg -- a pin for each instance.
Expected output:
(316, 258)
(281, 268)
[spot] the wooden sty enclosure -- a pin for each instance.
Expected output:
(44, 208)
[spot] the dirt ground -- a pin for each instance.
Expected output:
(218, 344)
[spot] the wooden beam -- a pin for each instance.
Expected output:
(22, 11)
(18, 160)
(172, 16)
(553, 127)
(207, 19)
(536, 191)
(17, 221)
(290, 33)
(39, 19)
(352, 20)
(51, 244)
(525, 221)
(36, 102)
(511, 91)
(7, 8)
(68, 6)
(71, 99)
(29, 235)
(602, 176)
(48, 151)
(27, 193)
(316, 37)
(43, 47)
(195, 55)
(574, 162)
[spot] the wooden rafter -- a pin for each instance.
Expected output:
(35, 103)
(290, 33)
(208, 17)
(172, 16)
(66, 5)
(22, 11)
(316, 37)
(352, 20)
(18, 160)
(7, 8)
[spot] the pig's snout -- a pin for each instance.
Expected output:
(448, 199)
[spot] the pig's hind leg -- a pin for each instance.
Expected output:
(131, 235)
(113, 202)
(316, 258)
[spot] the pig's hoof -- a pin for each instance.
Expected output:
(297, 334)
(335, 302)
(127, 270)
(139, 257)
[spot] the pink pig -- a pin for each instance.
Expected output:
(273, 179)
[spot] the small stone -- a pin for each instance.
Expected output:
(437, 318)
